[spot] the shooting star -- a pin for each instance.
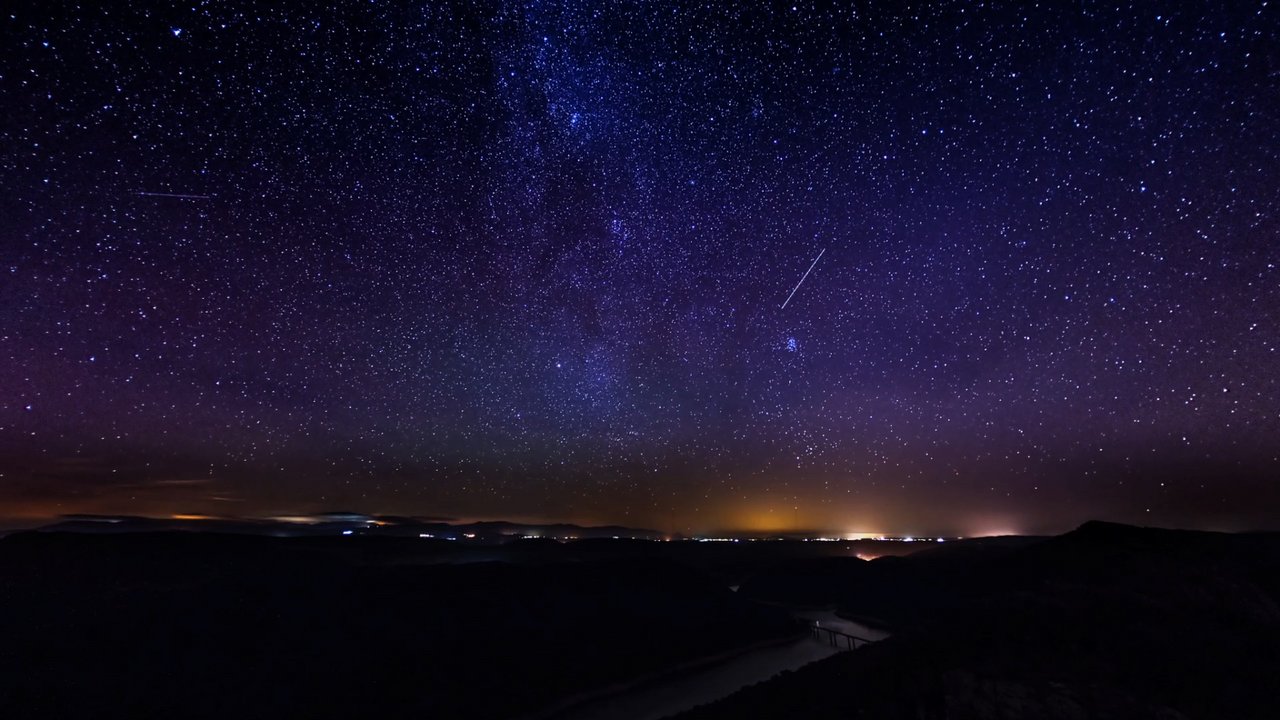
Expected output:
(802, 277)
(180, 196)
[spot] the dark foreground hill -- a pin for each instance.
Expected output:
(199, 626)
(1107, 621)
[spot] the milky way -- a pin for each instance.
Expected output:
(528, 261)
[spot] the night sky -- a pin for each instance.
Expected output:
(528, 261)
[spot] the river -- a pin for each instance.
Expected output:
(682, 691)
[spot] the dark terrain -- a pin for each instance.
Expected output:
(183, 625)
(1108, 621)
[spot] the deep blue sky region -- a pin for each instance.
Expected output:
(530, 261)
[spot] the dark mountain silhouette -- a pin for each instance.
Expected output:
(331, 523)
(218, 626)
(1107, 621)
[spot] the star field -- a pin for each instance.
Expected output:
(527, 260)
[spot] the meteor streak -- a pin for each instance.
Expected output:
(802, 277)
(173, 195)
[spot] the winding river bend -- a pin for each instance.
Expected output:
(686, 690)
